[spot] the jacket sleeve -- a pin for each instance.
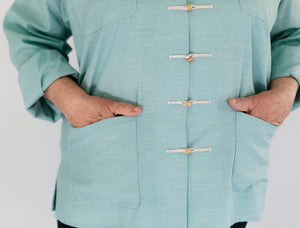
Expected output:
(37, 31)
(285, 43)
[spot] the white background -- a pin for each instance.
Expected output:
(29, 159)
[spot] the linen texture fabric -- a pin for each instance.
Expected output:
(135, 171)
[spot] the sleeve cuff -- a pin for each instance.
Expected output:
(35, 103)
(285, 62)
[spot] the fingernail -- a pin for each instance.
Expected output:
(235, 101)
(136, 109)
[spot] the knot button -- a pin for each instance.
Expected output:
(189, 7)
(190, 58)
(188, 103)
(188, 150)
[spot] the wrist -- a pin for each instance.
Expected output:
(285, 84)
(64, 93)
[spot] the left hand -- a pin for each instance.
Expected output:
(273, 105)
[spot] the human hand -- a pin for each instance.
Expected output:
(273, 105)
(89, 109)
(82, 109)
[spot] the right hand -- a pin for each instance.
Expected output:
(82, 109)
(87, 109)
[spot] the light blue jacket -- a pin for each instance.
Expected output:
(136, 172)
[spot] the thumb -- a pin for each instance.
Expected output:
(240, 103)
(123, 108)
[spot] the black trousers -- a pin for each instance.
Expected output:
(236, 225)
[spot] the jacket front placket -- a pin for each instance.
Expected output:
(189, 102)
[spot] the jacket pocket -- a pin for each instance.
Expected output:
(251, 163)
(94, 14)
(102, 161)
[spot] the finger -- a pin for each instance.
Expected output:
(241, 103)
(123, 108)
(279, 119)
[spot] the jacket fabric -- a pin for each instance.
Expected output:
(189, 159)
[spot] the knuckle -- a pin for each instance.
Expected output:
(127, 106)
(76, 121)
(76, 124)
(109, 103)
(108, 108)
(124, 107)
(277, 123)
